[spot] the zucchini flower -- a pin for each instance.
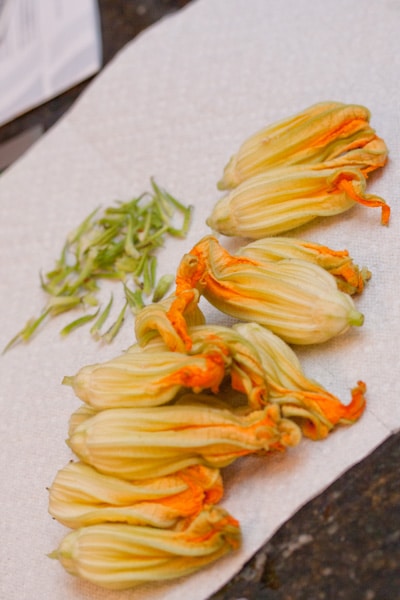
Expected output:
(147, 377)
(279, 200)
(80, 496)
(349, 277)
(140, 443)
(316, 410)
(297, 300)
(119, 556)
(153, 375)
(328, 134)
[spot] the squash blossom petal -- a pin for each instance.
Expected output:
(328, 132)
(243, 365)
(153, 375)
(139, 443)
(373, 155)
(119, 556)
(315, 409)
(152, 320)
(297, 300)
(279, 200)
(81, 496)
(349, 277)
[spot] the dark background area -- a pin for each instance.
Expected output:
(344, 544)
(121, 21)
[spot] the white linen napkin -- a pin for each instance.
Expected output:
(175, 104)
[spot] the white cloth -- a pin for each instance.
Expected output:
(175, 104)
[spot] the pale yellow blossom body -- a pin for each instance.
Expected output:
(119, 556)
(297, 300)
(279, 200)
(80, 496)
(144, 378)
(138, 443)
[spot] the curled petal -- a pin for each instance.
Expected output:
(154, 320)
(356, 192)
(373, 155)
(245, 370)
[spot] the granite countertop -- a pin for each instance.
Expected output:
(344, 544)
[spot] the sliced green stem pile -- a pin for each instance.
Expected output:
(118, 243)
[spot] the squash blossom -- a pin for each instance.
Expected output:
(297, 300)
(153, 375)
(327, 134)
(279, 200)
(315, 409)
(140, 443)
(120, 556)
(141, 377)
(349, 277)
(81, 496)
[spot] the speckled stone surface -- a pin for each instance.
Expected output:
(343, 545)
